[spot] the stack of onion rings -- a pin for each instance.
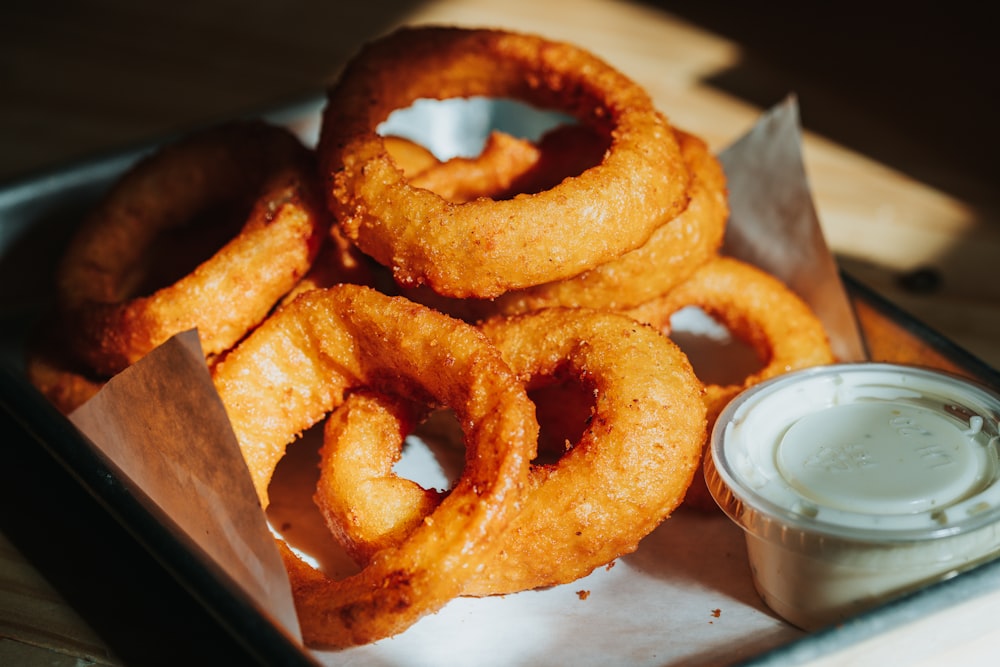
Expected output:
(571, 253)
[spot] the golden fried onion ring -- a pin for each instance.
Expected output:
(262, 167)
(366, 506)
(410, 156)
(299, 364)
(486, 247)
(493, 172)
(674, 251)
(625, 475)
(757, 309)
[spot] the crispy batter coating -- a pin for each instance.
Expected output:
(338, 261)
(759, 310)
(486, 247)
(627, 472)
(490, 174)
(675, 250)
(300, 364)
(102, 277)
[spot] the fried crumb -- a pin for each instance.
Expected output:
(716, 613)
(583, 595)
(609, 565)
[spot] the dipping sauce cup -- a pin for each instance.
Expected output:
(855, 483)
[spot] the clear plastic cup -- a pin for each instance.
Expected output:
(855, 483)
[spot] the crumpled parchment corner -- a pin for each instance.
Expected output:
(163, 425)
(774, 223)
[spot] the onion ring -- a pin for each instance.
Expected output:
(242, 164)
(367, 507)
(297, 366)
(411, 157)
(674, 251)
(758, 309)
(627, 472)
(485, 247)
(672, 254)
(503, 159)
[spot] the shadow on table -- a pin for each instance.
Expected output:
(911, 86)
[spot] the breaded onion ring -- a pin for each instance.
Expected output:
(411, 157)
(627, 472)
(503, 159)
(338, 261)
(486, 247)
(367, 507)
(299, 364)
(674, 252)
(252, 166)
(757, 309)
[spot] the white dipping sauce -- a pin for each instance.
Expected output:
(855, 483)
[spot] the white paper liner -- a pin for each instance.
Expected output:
(163, 425)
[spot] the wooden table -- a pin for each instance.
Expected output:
(97, 77)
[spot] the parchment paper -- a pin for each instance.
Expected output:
(684, 598)
(162, 423)
(775, 226)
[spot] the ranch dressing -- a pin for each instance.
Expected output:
(855, 483)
